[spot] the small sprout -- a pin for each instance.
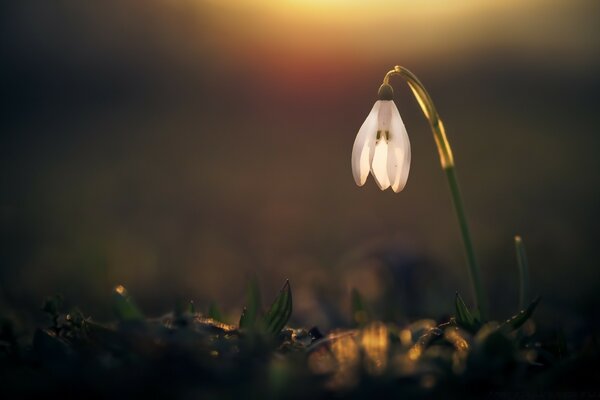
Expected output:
(124, 307)
(280, 311)
(464, 317)
(516, 321)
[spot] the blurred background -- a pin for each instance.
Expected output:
(180, 148)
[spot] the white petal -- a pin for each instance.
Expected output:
(364, 146)
(379, 164)
(398, 152)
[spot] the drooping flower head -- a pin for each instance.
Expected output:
(382, 146)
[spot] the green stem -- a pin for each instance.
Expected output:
(447, 162)
(468, 243)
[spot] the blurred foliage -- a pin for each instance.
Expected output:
(360, 314)
(253, 309)
(215, 313)
(187, 354)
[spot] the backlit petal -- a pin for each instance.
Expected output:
(364, 146)
(398, 162)
(379, 165)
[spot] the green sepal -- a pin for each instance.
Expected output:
(385, 92)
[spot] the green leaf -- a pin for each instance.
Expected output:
(124, 307)
(280, 311)
(252, 310)
(516, 321)
(360, 315)
(464, 317)
(214, 312)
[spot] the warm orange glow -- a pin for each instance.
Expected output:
(347, 354)
(405, 337)
(414, 353)
(321, 361)
(457, 339)
(375, 344)
(383, 26)
(306, 47)
(345, 351)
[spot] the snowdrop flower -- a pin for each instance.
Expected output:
(382, 146)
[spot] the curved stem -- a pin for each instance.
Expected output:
(447, 162)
